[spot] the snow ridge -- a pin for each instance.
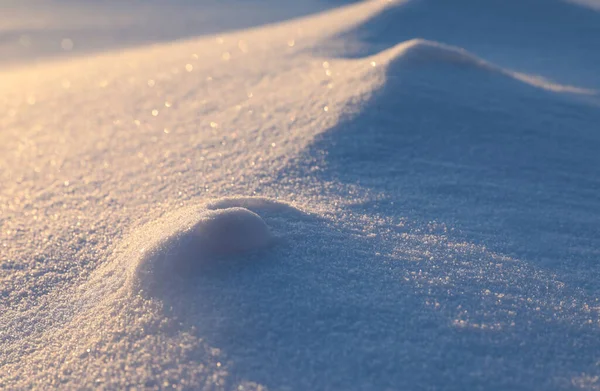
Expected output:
(421, 52)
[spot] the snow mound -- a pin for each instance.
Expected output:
(420, 52)
(217, 235)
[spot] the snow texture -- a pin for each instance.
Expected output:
(373, 196)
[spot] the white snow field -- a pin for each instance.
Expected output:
(383, 195)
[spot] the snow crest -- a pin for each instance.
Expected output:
(420, 52)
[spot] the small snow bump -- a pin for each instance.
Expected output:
(221, 235)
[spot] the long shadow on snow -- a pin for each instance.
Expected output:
(551, 38)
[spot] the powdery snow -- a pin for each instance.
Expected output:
(367, 198)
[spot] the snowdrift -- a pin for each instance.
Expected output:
(389, 195)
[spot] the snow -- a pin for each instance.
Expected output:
(377, 195)
(36, 30)
(203, 239)
(232, 231)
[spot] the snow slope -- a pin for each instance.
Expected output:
(368, 198)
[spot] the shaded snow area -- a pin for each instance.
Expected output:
(378, 195)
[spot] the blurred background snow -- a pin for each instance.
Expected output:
(31, 30)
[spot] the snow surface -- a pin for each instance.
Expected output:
(380, 196)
